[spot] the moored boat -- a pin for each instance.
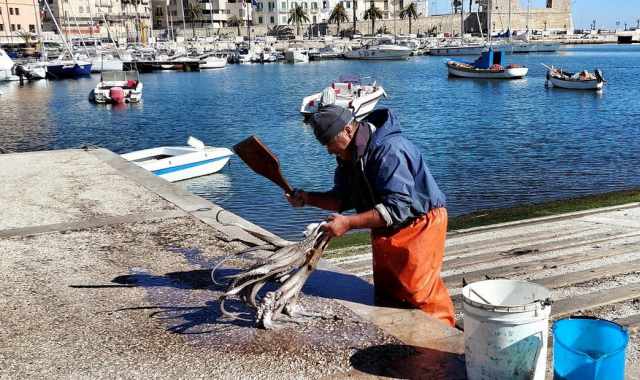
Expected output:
(296, 55)
(68, 69)
(583, 80)
(379, 51)
(348, 92)
(213, 62)
(490, 65)
(117, 87)
(6, 68)
(177, 163)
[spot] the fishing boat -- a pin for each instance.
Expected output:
(117, 87)
(348, 92)
(583, 80)
(177, 163)
(490, 65)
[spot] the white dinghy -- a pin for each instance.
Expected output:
(348, 92)
(582, 80)
(177, 163)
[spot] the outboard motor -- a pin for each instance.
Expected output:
(599, 76)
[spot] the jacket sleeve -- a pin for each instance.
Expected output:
(393, 183)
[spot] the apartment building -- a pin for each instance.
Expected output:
(16, 18)
(117, 19)
(175, 14)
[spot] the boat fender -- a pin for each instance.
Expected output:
(116, 94)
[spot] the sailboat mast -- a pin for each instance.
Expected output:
(489, 21)
(509, 20)
(462, 21)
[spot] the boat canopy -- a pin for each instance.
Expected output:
(119, 76)
(488, 59)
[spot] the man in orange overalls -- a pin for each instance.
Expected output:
(383, 177)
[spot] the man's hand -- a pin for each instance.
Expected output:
(337, 225)
(297, 199)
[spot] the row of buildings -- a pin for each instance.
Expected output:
(137, 20)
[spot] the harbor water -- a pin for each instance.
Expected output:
(489, 144)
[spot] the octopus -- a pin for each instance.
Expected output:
(288, 265)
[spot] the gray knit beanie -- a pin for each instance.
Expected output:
(330, 120)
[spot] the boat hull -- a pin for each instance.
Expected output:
(513, 73)
(379, 54)
(180, 163)
(593, 85)
(218, 63)
(73, 70)
(464, 50)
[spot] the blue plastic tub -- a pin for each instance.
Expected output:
(588, 349)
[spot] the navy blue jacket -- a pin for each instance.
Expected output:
(387, 173)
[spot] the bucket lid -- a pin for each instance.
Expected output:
(508, 296)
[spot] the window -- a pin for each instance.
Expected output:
(284, 5)
(272, 20)
(19, 27)
(11, 11)
(17, 11)
(304, 5)
(81, 9)
(13, 27)
(324, 5)
(386, 5)
(348, 4)
(1, 27)
(401, 4)
(32, 28)
(260, 20)
(315, 20)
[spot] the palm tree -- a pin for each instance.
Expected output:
(194, 11)
(373, 14)
(410, 12)
(298, 16)
(456, 5)
(234, 21)
(338, 15)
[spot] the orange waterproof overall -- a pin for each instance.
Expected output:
(407, 264)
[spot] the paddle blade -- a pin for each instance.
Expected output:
(262, 161)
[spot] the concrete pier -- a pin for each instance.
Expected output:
(106, 274)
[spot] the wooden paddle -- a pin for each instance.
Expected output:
(262, 161)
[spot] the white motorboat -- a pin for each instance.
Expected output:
(534, 47)
(6, 68)
(296, 55)
(177, 163)
(379, 51)
(117, 87)
(348, 92)
(490, 65)
(213, 62)
(582, 80)
(36, 70)
(471, 49)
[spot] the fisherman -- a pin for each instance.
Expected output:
(384, 177)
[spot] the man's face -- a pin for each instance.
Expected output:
(338, 146)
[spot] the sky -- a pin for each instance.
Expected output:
(605, 12)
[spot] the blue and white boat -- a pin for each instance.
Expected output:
(490, 65)
(177, 163)
(61, 69)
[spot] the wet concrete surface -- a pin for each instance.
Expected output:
(117, 285)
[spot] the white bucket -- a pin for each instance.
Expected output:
(506, 325)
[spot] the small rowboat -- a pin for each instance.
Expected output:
(348, 92)
(177, 163)
(490, 65)
(582, 80)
